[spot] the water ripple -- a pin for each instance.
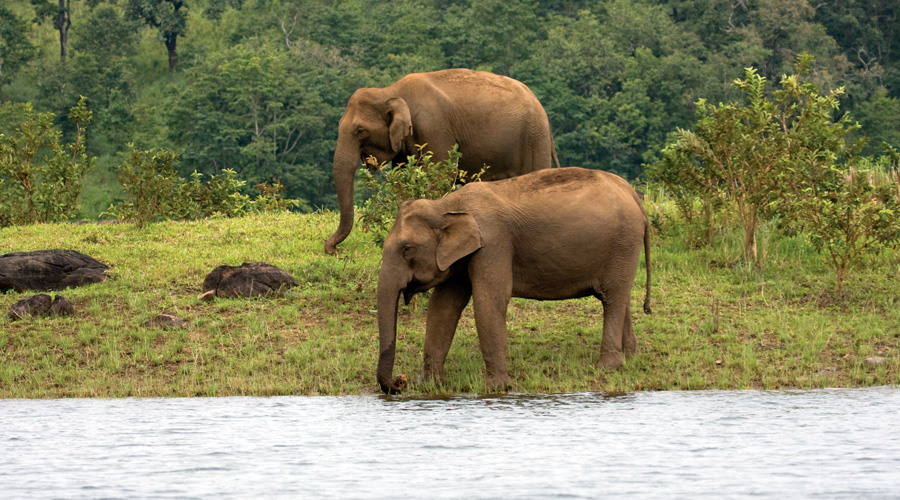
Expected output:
(741, 444)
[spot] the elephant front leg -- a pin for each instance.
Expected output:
(444, 309)
(490, 320)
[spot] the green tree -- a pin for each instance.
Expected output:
(766, 34)
(614, 83)
(866, 31)
(60, 12)
(412, 45)
(879, 117)
(15, 48)
(169, 17)
(102, 69)
(490, 34)
(263, 112)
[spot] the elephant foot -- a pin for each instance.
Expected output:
(611, 360)
(499, 383)
(396, 386)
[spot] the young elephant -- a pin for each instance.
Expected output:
(549, 235)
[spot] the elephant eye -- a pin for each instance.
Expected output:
(409, 252)
(362, 133)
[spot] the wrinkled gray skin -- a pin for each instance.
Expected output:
(549, 235)
(495, 120)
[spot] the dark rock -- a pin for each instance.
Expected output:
(46, 270)
(36, 305)
(165, 321)
(248, 280)
(61, 307)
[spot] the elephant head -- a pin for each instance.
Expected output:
(419, 253)
(377, 124)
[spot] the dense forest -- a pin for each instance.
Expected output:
(258, 86)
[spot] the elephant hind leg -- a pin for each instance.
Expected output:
(615, 342)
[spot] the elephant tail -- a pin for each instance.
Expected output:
(553, 151)
(647, 263)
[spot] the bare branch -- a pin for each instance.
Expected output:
(287, 33)
(859, 54)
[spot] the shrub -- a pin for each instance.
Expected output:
(786, 159)
(850, 211)
(744, 155)
(43, 190)
(418, 178)
(156, 192)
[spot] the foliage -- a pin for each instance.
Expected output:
(260, 111)
(743, 155)
(866, 32)
(615, 76)
(42, 190)
(474, 39)
(875, 116)
(615, 81)
(270, 198)
(787, 158)
(418, 178)
(156, 192)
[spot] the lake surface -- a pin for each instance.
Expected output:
(721, 444)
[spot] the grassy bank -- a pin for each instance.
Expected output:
(715, 324)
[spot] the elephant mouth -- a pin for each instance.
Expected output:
(408, 293)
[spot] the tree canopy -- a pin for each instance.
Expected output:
(258, 86)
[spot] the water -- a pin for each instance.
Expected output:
(720, 444)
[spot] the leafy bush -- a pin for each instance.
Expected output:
(418, 178)
(42, 190)
(786, 159)
(156, 192)
(741, 155)
(850, 211)
(150, 181)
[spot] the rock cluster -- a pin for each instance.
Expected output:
(46, 270)
(41, 305)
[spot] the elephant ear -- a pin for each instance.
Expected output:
(401, 122)
(460, 237)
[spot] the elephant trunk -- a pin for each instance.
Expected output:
(346, 162)
(388, 297)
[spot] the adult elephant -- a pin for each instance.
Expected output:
(548, 235)
(495, 120)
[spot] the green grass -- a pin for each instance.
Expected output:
(716, 324)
